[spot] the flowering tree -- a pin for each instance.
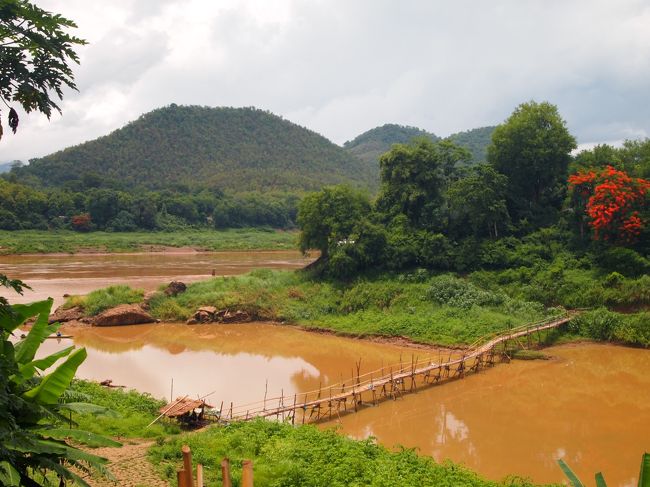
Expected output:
(612, 201)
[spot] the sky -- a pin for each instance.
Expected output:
(341, 67)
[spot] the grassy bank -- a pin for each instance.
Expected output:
(306, 456)
(130, 412)
(439, 309)
(37, 241)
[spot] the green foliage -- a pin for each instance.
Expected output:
(478, 201)
(239, 149)
(624, 260)
(32, 443)
(476, 141)
(328, 218)
(386, 305)
(414, 177)
(603, 324)
(134, 411)
(36, 51)
(370, 145)
(644, 474)
(532, 148)
(101, 299)
(306, 456)
(30, 241)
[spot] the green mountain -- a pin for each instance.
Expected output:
(235, 149)
(476, 141)
(371, 144)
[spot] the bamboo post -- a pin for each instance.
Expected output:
(180, 478)
(187, 465)
(293, 417)
(225, 473)
(247, 473)
(199, 475)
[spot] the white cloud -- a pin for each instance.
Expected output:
(341, 67)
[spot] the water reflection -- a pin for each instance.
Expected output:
(234, 361)
(590, 405)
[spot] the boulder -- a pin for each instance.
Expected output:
(124, 314)
(61, 315)
(175, 287)
(227, 316)
(205, 314)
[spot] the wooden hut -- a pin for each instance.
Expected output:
(186, 410)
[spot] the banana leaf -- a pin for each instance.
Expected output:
(644, 474)
(84, 437)
(21, 312)
(600, 480)
(87, 408)
(9, 476)
(575, 481)
(28, 370)
(26, 348)
(53, 384)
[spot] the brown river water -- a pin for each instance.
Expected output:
(54, 275)
(588, 404)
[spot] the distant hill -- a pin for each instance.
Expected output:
(476, 141)
(371, 144)
(236, 149)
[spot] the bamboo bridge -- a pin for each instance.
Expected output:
(391, 382)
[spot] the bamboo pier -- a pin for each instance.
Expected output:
(390, 382)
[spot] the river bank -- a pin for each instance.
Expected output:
(25, 242)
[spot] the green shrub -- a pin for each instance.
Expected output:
(102, 299)
(306, 456)
(460, 293)
(624, 260)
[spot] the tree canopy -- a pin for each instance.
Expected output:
(414, 177)
(35, 56)
(533, 149)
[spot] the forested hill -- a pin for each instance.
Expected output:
(371, 144)
(476, 141)
(238, 149)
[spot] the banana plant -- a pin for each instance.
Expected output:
(644, 474)
(34, 448)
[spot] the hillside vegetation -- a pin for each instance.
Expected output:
(371, 144)
(235, 149)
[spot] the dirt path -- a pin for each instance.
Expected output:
(130, 466)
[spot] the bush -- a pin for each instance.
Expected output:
(102, 299)
(460, 293)
(623, 260)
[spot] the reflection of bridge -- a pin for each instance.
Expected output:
(392, 381)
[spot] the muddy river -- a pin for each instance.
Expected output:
(588, 404)
(55, 275)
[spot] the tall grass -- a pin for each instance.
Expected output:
(431, 309)
(135, 410)
(65, 241)
(306, 456)
(101, 299)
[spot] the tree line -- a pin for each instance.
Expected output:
(23, 207)
(434, 212)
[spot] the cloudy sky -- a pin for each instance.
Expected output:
(341, 67)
